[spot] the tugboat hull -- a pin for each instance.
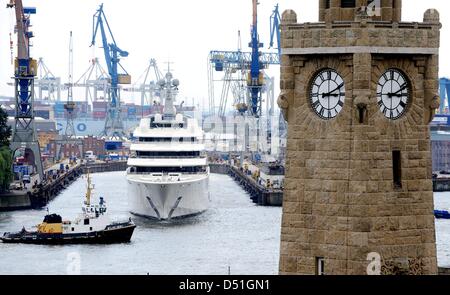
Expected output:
(120, 233)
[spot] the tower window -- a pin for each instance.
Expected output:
(348, 3)
(320, 266)
(397, 168)
(327, 4)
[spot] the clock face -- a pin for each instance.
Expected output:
(393, 94)
(327, 94)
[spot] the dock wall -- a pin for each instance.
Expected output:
(259, 194)
(105, 167)
(41, 195)
(441, 185)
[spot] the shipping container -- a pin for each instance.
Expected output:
(83, 107)
(58, 107)
(113, 145)
(99, 115)
(23, 169)
(99, 106)
(132, 111)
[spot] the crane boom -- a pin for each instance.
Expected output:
(21, 24)
(113, 54)
(444, 86)
(275, 20)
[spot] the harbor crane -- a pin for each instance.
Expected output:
(70, 105)
(48, 85)
(147, 86)
(24, 133)
(275, 21)
(444, 86)
(95, 80)
(69, 137)
(256, 78)
(113, 125)
(254, 63)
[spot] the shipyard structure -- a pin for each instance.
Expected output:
(359, 89)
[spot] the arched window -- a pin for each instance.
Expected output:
(348, 3)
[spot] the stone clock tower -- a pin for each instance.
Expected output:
(358, 89)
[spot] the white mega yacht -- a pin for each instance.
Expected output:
(168, 172)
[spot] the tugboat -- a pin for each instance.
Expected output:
(92, 226)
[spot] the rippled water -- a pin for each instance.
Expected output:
(233, 234)
(442, 202)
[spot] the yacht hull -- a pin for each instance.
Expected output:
(169, 200)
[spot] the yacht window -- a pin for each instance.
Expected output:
(194, 169)
(168, 154)
(167, 139)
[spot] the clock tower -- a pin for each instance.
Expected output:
(358, 90)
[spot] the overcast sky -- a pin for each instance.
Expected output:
(177, 30)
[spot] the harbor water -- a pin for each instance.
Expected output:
(234, 236)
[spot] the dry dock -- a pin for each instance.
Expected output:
(39, 196)
(258, 193)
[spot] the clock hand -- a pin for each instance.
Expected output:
(401, 89)
(390, 95)
(339, 87)
(330, 93)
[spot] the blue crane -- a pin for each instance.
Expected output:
(256, 80)
(254, 62)
(275, 20)
(113, 54)
(444, 86)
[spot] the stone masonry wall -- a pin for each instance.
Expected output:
(340, 202)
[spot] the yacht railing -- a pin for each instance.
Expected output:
(167, 174)
(169, 157)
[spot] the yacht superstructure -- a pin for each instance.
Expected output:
(168, 171)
